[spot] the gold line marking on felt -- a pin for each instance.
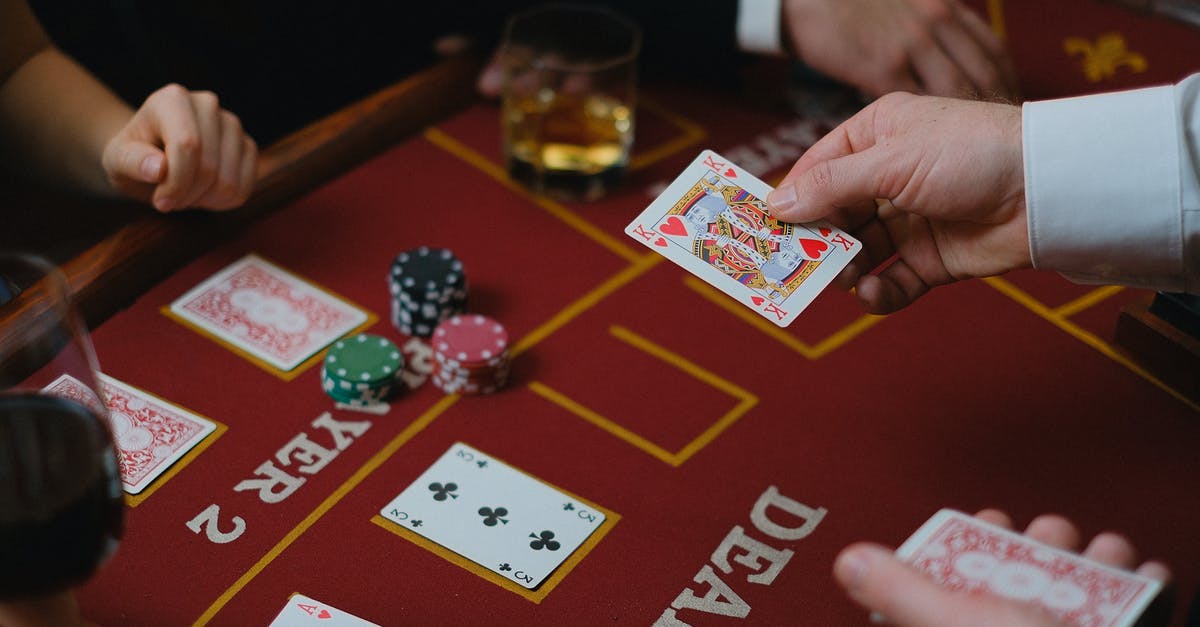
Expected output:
(1087, 300)
(817, 351)
(440, 139)
(1081, 334)
(587, 301)
(565, 402)
(692, 134)
(679, 361)
(746, 400)
(634, 270)
(371, 465)
(996, 16)
(552, 580)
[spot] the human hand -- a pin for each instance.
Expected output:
(939, 47)
(874, 578)
(181, 149)
(951, 172)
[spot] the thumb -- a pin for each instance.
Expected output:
(877, 580)
(137, 161)
(827, 185)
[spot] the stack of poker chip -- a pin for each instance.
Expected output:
(361, 370)
(428, 286)
(470, 355)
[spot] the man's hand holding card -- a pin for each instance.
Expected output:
(974, 570)
(713, 221)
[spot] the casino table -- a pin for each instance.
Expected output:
(697, 427)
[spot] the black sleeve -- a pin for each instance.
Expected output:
(280, 64)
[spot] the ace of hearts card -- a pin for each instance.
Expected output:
(712, 220)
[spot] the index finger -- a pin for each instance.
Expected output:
(834, 144)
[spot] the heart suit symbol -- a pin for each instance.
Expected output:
(813, 247)
(674, 226)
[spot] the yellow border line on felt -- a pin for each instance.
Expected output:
(692, 134)
(337, 495)
(1087, 300)
(565, 402)
(822, 348)
(133, 500)
(746, 400)
(1081, 334)
(996, 17)
(286, 375)
(587, 301)
(451, 145)
(553, 579)
(568, 313)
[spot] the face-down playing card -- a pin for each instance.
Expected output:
(713, 222)
(151, 434)
(267, 313)
(964, 553)
(496, 516)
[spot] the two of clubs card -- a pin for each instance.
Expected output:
(494, 515)
(712, 220)
(964, 553)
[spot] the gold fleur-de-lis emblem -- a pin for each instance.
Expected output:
(1101, 59)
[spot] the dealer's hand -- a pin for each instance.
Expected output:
(951, 179)
(874, 578)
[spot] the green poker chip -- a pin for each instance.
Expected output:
(367, 359)
(351, 393)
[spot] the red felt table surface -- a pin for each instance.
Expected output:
(649, 394)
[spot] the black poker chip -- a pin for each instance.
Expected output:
(428, 286)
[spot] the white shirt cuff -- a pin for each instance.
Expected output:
(758, 28)
(1102, 188)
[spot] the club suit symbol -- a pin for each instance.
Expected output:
(544, 540)
(493, 516)
(441, 492)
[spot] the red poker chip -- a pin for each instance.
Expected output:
(470, 355)
(470, 338)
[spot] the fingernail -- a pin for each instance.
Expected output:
(851, 567)
(163, 204)
(782, 198)
(151, 166)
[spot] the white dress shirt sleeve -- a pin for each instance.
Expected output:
(1112, 187)
(758, 26)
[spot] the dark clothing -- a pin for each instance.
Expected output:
(279, 65)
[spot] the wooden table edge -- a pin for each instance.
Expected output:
(111, 273)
